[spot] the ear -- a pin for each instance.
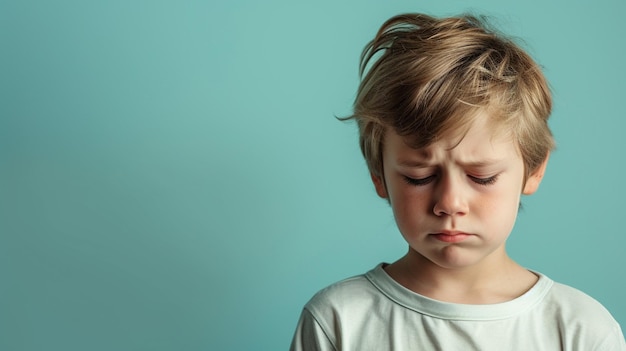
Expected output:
(379, 184)
(533, 181)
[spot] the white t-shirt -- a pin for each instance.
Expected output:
(374, 312)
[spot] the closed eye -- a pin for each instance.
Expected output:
(484, 181)
(419, 181)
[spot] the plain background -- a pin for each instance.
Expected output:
(172, 176)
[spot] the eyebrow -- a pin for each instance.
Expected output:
(471, 164)
(481, 163)
(413, 164)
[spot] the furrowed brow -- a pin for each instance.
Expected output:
(413, 164)
(481, 163)
(469, 164)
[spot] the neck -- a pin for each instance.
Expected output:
(495, 279)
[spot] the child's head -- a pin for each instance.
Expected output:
(428, 78)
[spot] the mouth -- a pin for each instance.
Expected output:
(450, 236)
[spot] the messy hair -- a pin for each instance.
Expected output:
(425, 77)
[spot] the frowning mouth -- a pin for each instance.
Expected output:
(450, 237)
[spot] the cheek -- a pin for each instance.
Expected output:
(502, 207)
(409, 205)
(500, 200)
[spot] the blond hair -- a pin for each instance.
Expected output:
(425, 77)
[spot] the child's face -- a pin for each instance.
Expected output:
(455, 202)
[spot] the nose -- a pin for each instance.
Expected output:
(449, 197)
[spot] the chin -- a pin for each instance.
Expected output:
(455, 258)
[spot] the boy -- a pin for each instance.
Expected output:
(453, 126)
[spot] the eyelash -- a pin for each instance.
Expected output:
(419, 181)
(424, 181)
(484, 181)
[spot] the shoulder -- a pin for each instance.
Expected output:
(343, 295)
(337, 310)
(354, 301)
(581, 319)
(572, 304)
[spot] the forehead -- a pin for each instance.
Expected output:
(481, 140)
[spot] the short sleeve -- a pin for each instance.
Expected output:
(310, 336)
(614, 341)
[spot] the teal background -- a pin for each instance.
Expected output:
(172, 176)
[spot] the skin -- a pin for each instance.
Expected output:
(455, 203)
